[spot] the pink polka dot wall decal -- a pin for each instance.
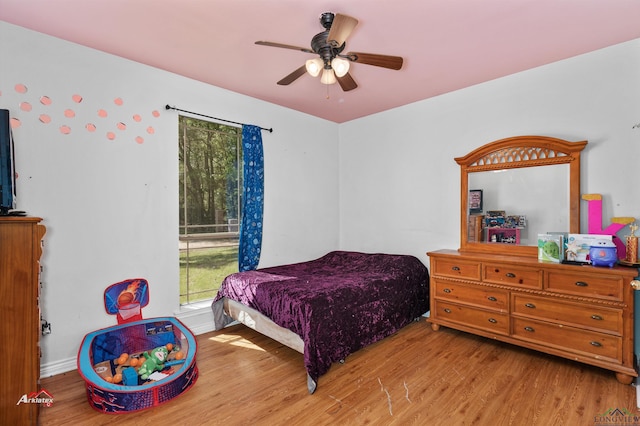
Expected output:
(150, 130)
(25, 106)
(139, 139)
(137, 118)
(155, 114)
(121, 126)
(20, 88)
(44, 118)
(65, 130)
(77, 98)
(45, 100)
(90, 127)
(69, 113)
(118, 101)
(111, 136)
(15, 123)
(102, 113)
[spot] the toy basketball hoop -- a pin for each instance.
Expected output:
(126, 299)
(129, 312)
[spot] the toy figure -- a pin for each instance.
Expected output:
(571, 253)
(603, 253)
(155, 362)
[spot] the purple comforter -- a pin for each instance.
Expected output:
(338, 303)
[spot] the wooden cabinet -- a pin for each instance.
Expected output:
(20, 250)
(584, 313)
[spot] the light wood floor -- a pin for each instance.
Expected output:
(415, 377)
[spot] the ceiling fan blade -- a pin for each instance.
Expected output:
(340, 29)
(347, 82)
(293, 76)
(385, 61)
(284, 46)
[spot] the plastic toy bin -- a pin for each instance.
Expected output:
(100, 350)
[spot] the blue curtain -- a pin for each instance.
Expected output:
(252, 198)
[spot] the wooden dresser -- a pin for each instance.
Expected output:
(583, 313)
(20, 251)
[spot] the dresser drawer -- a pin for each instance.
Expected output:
(495, 322)
(456, 268)
(517, 276)
(568, 313)
(472, 294)
(585, 284)
(575, 340)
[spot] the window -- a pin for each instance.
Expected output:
(210, 158)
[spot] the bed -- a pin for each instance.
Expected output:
(329, 307)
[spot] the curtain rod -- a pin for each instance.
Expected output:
(214, 118)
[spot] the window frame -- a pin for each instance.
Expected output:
(223, 237)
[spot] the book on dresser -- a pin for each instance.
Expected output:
(551, 247)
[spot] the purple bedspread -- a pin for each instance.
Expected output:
(338, 303)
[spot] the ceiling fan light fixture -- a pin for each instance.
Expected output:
(328, 77)
(328, 47)
(314, 66)
(340, 66)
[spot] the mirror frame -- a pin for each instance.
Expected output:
(512, 153)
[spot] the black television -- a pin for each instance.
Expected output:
(7, 171)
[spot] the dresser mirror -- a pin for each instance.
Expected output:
(520, 187)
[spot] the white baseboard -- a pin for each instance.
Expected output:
(58, 367)
(199, 321)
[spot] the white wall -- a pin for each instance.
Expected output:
(111, 206)
(399, 184)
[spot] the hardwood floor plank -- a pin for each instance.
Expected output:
(414, 377)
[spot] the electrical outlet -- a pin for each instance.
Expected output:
(45, 327)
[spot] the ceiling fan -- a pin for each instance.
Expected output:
(332, 63)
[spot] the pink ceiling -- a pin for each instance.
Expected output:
(447, 45)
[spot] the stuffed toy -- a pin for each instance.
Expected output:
(155, 362)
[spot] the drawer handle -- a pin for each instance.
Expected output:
(491, 298)
(596, 317)
(447, 310)
(596, 344)
(530, 305)
(492, 320)
(510, 275)
(447, 290)
(581, 284)
(530, 329)
(455, 268)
